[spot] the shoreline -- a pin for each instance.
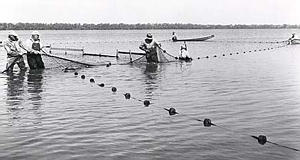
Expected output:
(148, 26)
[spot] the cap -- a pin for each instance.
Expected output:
(35, 33)
(12, 33)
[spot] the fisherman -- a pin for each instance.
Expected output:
(294, 36)
(14, 53)
(34, 48)
(150, 47)
(174, 37)
(184, 54)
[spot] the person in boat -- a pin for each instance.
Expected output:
(294, 36)
(184, 54)
(150, 47)
(34, 48)
(13, 48)
(174, 37)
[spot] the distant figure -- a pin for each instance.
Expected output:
(174, 37)
(150, 47)
(14, 53)
(184, 54)
(34, 47)
(294, 36)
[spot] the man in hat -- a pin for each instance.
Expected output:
(294, 36)
(14, 53)
(150, 47)
(34, 47)
(174, 37)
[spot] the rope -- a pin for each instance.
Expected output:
(248, 51)
(165, 40)
(261, 139)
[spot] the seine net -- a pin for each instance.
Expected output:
(162, 56)
(71, 57)
(53, 61)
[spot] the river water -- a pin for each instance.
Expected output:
(55, 115)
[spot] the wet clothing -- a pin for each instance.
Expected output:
(184, 53)
(174, 38)
(34, 60)
(294, 36)
(14, 55)
(151, 51)
(15, 60)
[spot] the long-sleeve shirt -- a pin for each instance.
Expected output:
(148, 47)
(13, 48)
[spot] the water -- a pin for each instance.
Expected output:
(54, 115)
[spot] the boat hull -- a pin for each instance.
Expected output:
(295, 41)
(194, 39)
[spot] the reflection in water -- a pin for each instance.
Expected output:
(15, 89)
(17, 97)
(35, 83)
(15, 93)
(152, 73)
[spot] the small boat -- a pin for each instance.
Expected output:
(185, 59)
(193, 39)
(295, 41)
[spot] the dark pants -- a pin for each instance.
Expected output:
(11, 61)
(35, 61)
(151, 56)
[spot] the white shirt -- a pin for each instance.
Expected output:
(28, 44)
(184, 53)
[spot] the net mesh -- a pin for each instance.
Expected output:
(72, 58)
(52, 62)
(162, 56)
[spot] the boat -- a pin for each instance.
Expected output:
(185, 59)
(193, 39)
(295, 41)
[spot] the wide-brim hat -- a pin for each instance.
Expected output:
(149, 36)
(12, 33)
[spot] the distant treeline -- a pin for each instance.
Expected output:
(122, 26)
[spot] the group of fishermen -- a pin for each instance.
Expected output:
(16, 49)
(33, 49)
(150, 46)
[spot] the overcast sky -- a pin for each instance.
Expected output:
(152, 11)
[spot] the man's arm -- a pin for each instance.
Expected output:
(10, 51)
(143, 47)
(25, 46)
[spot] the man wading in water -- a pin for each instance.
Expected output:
(150, 47)
(14, 54)
(33, 48)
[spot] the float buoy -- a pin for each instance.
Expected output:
(101, 84)
(172, 111)
(114, 89)
(92, 80)
(127, 95)
(207, 122)
(146, 103)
